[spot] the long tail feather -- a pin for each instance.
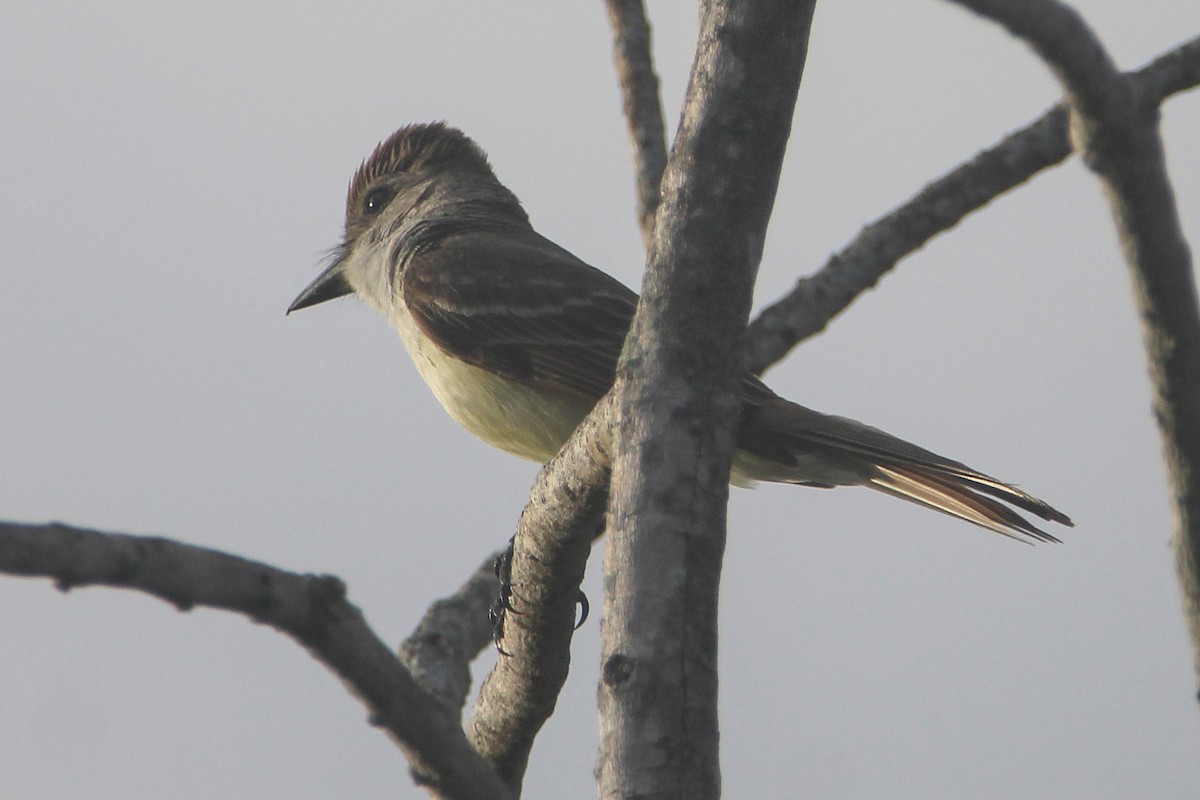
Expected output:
(798, 445)
(952, 496)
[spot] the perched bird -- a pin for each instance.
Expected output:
(518, 338)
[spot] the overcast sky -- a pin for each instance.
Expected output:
(173, 174)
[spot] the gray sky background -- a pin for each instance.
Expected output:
(172, 175)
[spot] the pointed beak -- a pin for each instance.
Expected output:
(331, 283)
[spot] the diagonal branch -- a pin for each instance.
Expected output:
(642, 104)
(817, 299)
(313, 610)
(1114, 123)
(554, 537)
(441, 648)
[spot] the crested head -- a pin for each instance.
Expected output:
(422, 173)
(415, 149)
(423, 183)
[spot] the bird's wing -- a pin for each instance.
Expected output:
(520, 306)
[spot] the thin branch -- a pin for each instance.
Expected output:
(817, 299)
(1175, 71)
(440, 650)
(642, 104)
(554, 536)
(313, 610)
(1115, 127)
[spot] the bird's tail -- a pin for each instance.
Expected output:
(966, 496)
(793, 444)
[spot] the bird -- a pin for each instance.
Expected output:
(518, 338)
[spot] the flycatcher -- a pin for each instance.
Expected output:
(518, 339)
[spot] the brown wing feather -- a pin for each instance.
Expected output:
(537, 314)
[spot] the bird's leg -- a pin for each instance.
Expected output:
(503, 602)
(502, 605)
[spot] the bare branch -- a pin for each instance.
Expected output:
(642, 104)
(1115, 127)
(440, 650)
(1175, 71)
(678, 402)
(313, 610)
(817, 299)
(554, 536)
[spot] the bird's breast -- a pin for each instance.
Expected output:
(515, 417)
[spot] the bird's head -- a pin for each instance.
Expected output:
(420, 177)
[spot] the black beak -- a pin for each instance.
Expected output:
(328, 285)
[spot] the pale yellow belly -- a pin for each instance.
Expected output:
(514, 417)
(518, 418)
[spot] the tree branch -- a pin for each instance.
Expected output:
(313, 610)
(1114, 124)
(441, 648)
(817, 299)
(1174, 71)
(678, 400)
(554, 536)
(642, 104)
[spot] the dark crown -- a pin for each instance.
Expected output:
(415, 148)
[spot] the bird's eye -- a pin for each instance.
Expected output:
(378, 199)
